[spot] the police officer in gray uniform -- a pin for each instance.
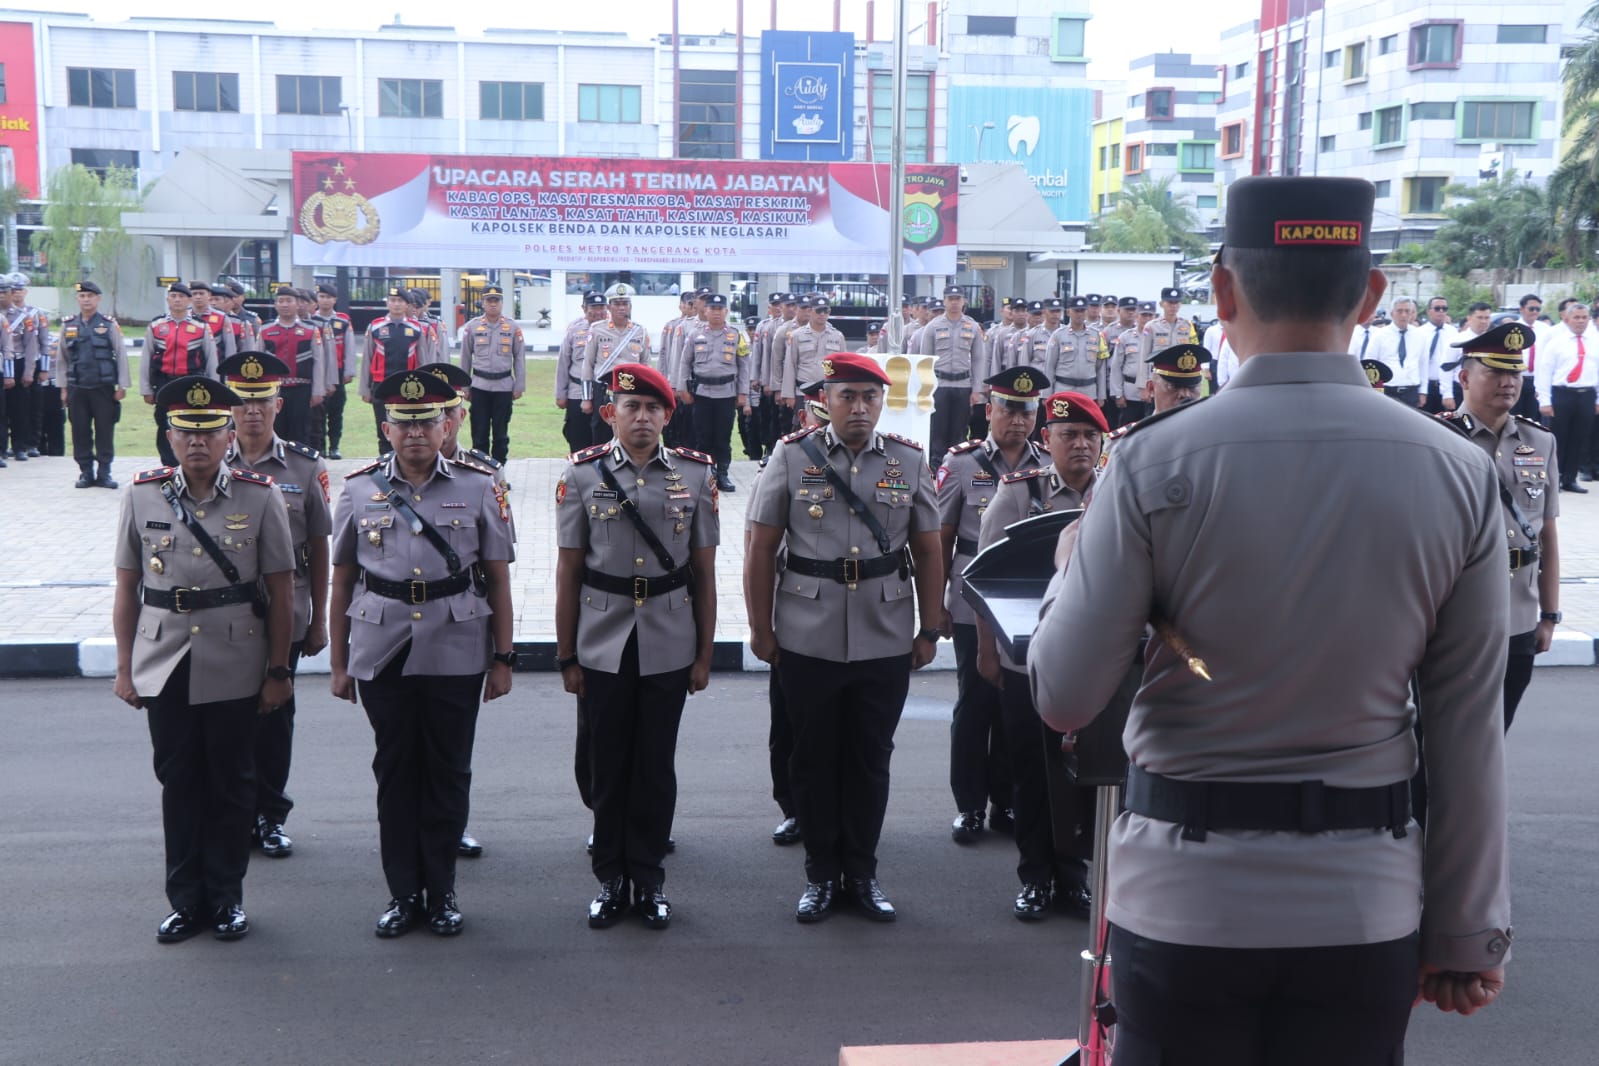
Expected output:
(713, 376)
(635, 623)
(967, 482)
(1078, 357)
(577, 427)
(960, 364)
(201, 649)
(1271, 900)
(92, 367)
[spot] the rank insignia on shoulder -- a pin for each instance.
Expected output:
(907, 441)
(1023, 475)
(250, 477)
(468, 462)
(1533, 422)
(367, 469)
(698, 457)
(961, 448)
(160, 473)
(484, 458)
(1121, 431)
(799, 434)
(591, 453)
(302, 449)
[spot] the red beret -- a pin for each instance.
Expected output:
(847, 366)
(641, 380)
(1075, 407)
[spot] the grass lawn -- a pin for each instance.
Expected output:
(535, 420)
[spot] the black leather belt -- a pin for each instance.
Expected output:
(498, 375)
(576, 379)
(965, 546)
(639, 587)
(1287, 807)
(185, 600)
(418, 591)
(715, 381)
(1520, 557)
(1573, 388)
(851, 571)
(289, 382)
(1081, 381)
(941, 376)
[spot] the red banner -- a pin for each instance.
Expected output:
(362, 209)
(19, 106)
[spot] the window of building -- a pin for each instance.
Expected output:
(1241, 70)
(410, 98)
(1384, 188)
(101, 160)
(2, 83)
(1329, 143)
(1115, 156)
(1160, 105)
(1388, 45)
(706, 119)
(1355, 62)
(308, 94)
(1435, 44)
(1498, 120)
(1135, 159)
(1104, 157)
(1168, 151)
(608, 103)
(1196, 156)
(1205, 203)
(513, 101)
(204, 91)
(1105, 200)
(1069, 41)
(1431, 109)
(1424, 195)
(916, 100)
(1389, 126)
(1207, 96)
(1136, 101)
(100, 87)
(1523, 34)
(1365, 120)
(991, 25)
(1330, 60)
(1232, 140)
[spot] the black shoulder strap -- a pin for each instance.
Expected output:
(1516, 514)
(417, 523)
(855, 503)
(194, 527)
(1035, 488)
(980, 453)
(628, 508)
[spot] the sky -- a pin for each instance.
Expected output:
(1118, 33)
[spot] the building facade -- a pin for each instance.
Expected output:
(1169, 127)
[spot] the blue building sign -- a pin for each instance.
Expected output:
(1048, 131)
(807, 96)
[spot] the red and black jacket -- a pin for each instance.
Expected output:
(295, 344)
(177, 348)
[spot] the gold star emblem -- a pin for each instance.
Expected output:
(327, 183)
(349, 184)
(338, 168)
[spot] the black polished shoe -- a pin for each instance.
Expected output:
(671, 845)
(85, 480)
(1074, 899)
(1002, 819)
(815, 903)
(787, 832)
(609, 906)
(180, 925)
(967, 827)
(404, 914)
(33, 453)
(469, 846)
(652, 905)
(333, 453)
(275, 843)
(589, 847)
(229, 923)
(105, 480)
(1032, 903)
(869, 895)
(20, 456)
(725, 483)
(1574, 487)
(444, 917)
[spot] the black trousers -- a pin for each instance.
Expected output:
(979, 767)
(582, 763)
(749, 433)
(713, 428)
(576, 427)
(333, 416)
(1034, 750)
(977, 424)
(844, 717)
(19, 400)
(274, 747)
(779, 744)
(1135, 410)
(1573, 423)
(294, 421)
(424, 728)
(52, 418)
(598, 428)
(952, 411)
(94, 413)
(203, 760)
(1178, 1005)
(633, 724)
(1408, 394)
(384, 447)
(491, 423)
(163, 447)
(1435, 398)
(1526, 403)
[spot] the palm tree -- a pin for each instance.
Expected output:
(1574, 188)
(1149, 217)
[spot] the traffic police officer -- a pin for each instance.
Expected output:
(421, 618)
(492, 352)
(966, 483)
(617, 340)
(1074, 430)
(577, 427)
(302, 478)
(339, 330)
(216, 321)
(1268, 888)
(857, 510)
(635, 617)
(393, 346)
(175, 345)
(93, 363)
(199, 650)
(960, 364)
(299, 345)
(713, 376)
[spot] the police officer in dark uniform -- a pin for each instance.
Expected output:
(92, 365)
(421, 618)
(175, 345)
(394, 344)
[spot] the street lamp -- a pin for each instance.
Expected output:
(980, 130)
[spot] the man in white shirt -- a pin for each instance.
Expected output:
(1360, 340)
(1566, 378)
(1439, 333)
(1226, 359)
(1402, 348)
(1531, 308)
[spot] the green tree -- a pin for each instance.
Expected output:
(1149, 217)
(1574, 187)
(83, 224)
(1501, 224)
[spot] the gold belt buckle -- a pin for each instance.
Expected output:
(641, 591)
(177, 601)
(419, 591)
(852, 573)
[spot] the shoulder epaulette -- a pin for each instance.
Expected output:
(250, 477)
(468, 461)
(160, 473)
(1121, 431)
(907, 441)
(484, 458)
(698, 457)
(591, 453)
(960, 449)
(799, 434)
(368, 468)
(1023, 475)
(1533, 422)
(1152, 419)
(302, 449)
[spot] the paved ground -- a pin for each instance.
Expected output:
(734, 981)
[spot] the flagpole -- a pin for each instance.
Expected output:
(894, 320)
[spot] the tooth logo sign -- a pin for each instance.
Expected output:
(1024, 131)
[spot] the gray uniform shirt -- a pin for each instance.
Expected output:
(819, 616)
(227, 646)
(569, 361)
(675, 494)
(714, 365)
(302, 477)
(492, 353)
(1127, 371)
(1317, 545)
(803, 353)
(1078, 360)
(965, 488)
(449, 635)
(606, 346)
(959, 351)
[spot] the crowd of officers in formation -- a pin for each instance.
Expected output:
(32, 409)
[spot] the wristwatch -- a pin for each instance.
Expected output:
(506, 657)
(1550, 616)
(932, 636)
(278, 673)
(562, 664)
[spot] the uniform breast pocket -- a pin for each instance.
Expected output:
(377, 535)
(149, 626)
(604, 516)
(505, 347)
(679, 517)
(459, 528)
(802, 585)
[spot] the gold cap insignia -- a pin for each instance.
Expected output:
(827, 368)
(199, 396)
(441, 375)
(1187, 362)
(1515, 340)
(1023, 383)
(1060, 409)
(251, 369)
(625, 382)
(412, 389)
(1373, 375)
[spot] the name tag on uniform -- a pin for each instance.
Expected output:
(290, 488)
(982, 479)
(813, 479)
(158, 525)
(1527, 460)
(603, 494)
(679, 494)
(462, 506)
